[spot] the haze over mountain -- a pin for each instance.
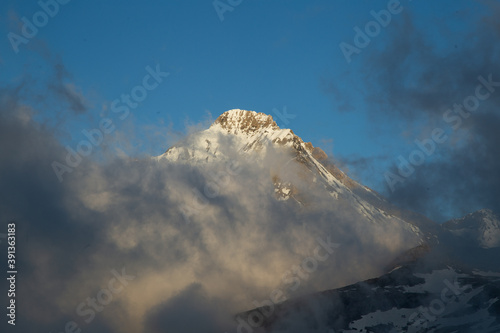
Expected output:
(420, 269)
(231, 218)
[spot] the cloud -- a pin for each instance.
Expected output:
(408, 78)
(126, 213)
(465, 179)
(177, 313)
(67, 91)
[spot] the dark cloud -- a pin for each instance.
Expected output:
(58, 92)
(176, 315)
(466, 178)
(360, 167)
(408, 78)
(342, 104)
(49, 237)
(67, 91)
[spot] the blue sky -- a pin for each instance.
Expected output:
(263, 55)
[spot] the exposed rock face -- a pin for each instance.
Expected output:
(242, 121)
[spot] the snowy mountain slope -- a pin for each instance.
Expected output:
(481, 227)
(411, 298)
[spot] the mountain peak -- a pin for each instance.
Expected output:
(473, 219)
(482, 226)
(242, 121)
(485, 212)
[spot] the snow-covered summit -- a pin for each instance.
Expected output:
(236, 130)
